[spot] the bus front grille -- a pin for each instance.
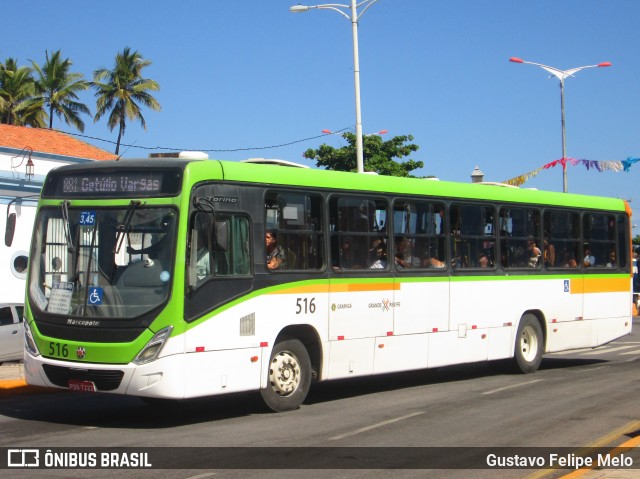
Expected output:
(94, 335)
(105, 380)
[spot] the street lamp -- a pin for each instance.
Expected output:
(561, 75)
(354, 17)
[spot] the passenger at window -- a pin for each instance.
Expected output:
(433, 263)
(534, 253)
(276, 257)
(381, 256)
(589, 259)
(483, 260)
(612, 260)
(403, 258)
(569, 261)
(549, 254)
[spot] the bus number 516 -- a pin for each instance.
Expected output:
(305, 306)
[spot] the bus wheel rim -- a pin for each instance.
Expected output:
(284, 373)
(529, 343)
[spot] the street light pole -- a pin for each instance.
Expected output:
(353, 17)
(561, 75)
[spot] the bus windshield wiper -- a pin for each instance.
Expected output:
(64, 207)
(123, 227)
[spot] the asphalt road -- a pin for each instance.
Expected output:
(576, 400)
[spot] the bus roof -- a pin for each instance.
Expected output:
(269, 174)
(326, 179)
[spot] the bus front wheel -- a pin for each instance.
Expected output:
(289, 376)
(529, 344)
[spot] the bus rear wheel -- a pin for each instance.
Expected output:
(529, 344)
(289, 376)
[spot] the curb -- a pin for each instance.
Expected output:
(12, 387)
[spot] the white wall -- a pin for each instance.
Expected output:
(13, 184)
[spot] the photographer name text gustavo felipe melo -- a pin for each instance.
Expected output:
(559, 461)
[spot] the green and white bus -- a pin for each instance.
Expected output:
(149, 277)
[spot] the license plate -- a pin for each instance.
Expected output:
(81, 386)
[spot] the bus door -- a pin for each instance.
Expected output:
(421, 294)
(361, 286)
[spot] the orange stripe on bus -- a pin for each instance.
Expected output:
(340, 288)
(600, 285)
(345, 288)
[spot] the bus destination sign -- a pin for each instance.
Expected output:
(118, 184)
(111, 184)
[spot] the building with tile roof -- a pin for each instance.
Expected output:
(43, 150)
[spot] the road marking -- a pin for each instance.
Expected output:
(604, 441)
(200, 476)
(375, 426)
(493, 391)
(607, 350)
(581, 370)
(637, 351)
(572, 351)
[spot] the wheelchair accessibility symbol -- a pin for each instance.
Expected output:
(95, 296)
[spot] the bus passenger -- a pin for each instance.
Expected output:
(483, 261)
(433, 263)
(549, 254)
(534, 253)
(569, 261)
(403, 258)
(276, 257)
(589, 259)
(381, 254)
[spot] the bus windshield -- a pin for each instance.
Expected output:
(102, 262)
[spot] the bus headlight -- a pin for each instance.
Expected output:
(29, 343)
(151, 351)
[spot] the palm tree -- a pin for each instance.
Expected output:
(122, 91)
(17, 87)
(57, 89)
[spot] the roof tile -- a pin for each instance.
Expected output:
(43, 140)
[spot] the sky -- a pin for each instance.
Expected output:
(247, 79)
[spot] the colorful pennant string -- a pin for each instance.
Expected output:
(617, 166)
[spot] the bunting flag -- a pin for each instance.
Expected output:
(600, 166)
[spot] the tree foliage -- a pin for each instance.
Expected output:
(379, 155)
(57, 89)
(120, 92)
(17, 87)
(32, 96)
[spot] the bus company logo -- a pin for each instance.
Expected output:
(385, 305)
(335, 306)
(23, 458)
(81, 352)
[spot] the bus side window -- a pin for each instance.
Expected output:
(296, 220)
(562, 230)
(360, 231)
(473, 236)
(600, 234)
(219, 246)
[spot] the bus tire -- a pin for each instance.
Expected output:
(529, 345)
(289, 376)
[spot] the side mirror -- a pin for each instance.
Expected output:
(10, 229)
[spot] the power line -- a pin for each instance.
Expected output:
(209, 150)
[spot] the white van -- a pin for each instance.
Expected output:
(11, 332)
